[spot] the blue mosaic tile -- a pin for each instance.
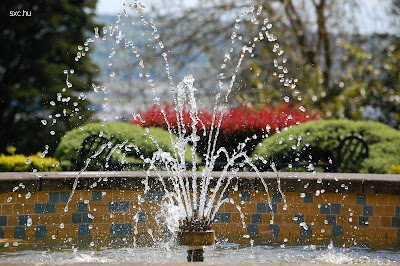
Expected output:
(337, 230)
(1, 232)
(113, 206)
(41, 208)
(277, 197)
(256, 218)
(398, 233)
(275, 228)
(97, 195)
(142, 217)
(121, 229)
(154, 195)
(325, 209)
(119, 206)
(264, 208)
(222, 217)
(41, 231)
(368, 210)
(309, 198)
(77, 218)
(363, 221)
(398, 211)
(305, 232)
(396, 222)
(64, 196)
(336, 208)
(245, 196)
(22, 219)
(298, 218)
(81, 207)
(54, 196)
(86, 218)
(361, 199)
(19, 232)
(225, 195)
(3, 220)
(331, 219)
(252, 229)
(83, 229)
(123, 206)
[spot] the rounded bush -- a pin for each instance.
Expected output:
(317, 140)
(68, 151)
(22, 163)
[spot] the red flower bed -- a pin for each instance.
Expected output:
(237, 124)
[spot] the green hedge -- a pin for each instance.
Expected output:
(318, 138)
(22, 163)
(68, 151)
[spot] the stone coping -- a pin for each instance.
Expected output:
(184, 263)
(36, 176)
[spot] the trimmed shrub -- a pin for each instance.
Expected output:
(68, 151)
(237, 124)
(22, 163)
(318, 139)
(396, 169)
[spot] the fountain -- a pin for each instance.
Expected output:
(193, 195)
(198, 207)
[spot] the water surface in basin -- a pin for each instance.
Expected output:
(219, 253)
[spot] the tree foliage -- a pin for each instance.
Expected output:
(36, 51)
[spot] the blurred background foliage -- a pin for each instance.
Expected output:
(342, 71)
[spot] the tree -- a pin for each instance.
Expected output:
(38, 46)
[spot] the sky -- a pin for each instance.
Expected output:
(372, 17)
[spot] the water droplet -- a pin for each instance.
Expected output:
(29, 222)
(52, 133)
(6, 245)
(15, 244)
(44, 122)
(112, 74)
(53, 237)
(9, 199)
(28, 195)
(61, 225)
(72, 71)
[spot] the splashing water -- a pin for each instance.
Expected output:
(196, 195)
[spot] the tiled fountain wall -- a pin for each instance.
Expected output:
(352, 209)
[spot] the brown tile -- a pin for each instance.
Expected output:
(18, 209)
(359, 231)
(259, 197)
(42, 197)
(391, 233)
(313, 209)
(107, 195)
(49, 219)
(98, 207)
(372, 199)
(11, 197)
(219, 228)
(101, 230)
(380, 232)
(30, 233)
(29, 208)
(329, 197)
(12, 220)
(278, 218)
(310, 218)
(342, 219)
(237, 228)
(394, 200)
(382, 199)
(266, 218)
(8, 231)
(284, 230)
(2, 198)
(357, 210)
(380, 210)
(386, 221)
(350, 198)
(389, 210)
(229, 207)
(374, 221)
(7, 209)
